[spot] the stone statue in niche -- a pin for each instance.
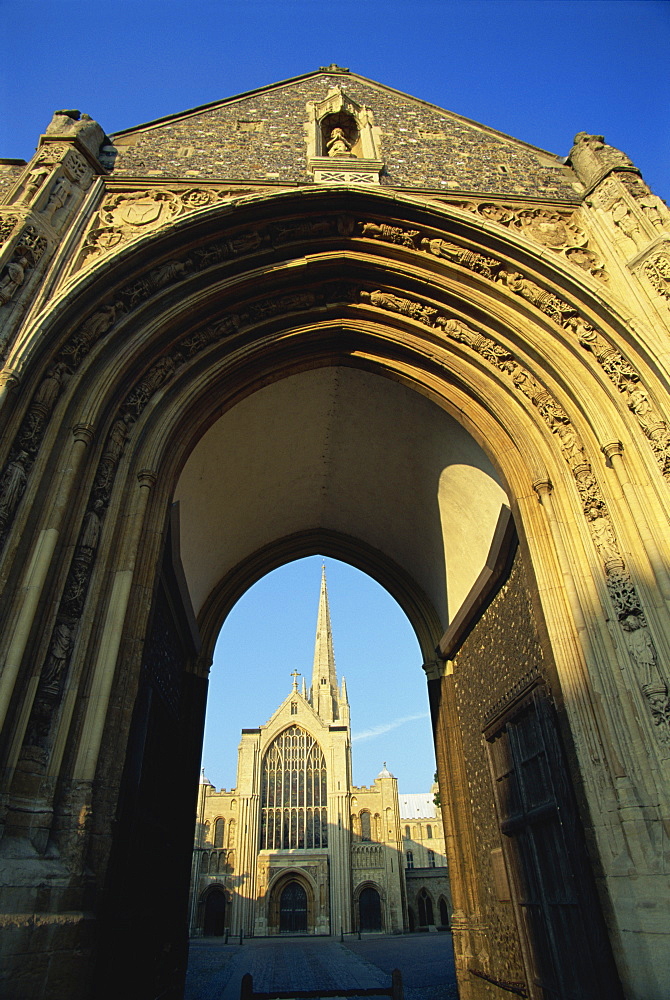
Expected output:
(338, 144)
(12, 279)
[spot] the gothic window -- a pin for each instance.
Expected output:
(218, 832)
(294, 708)
(429, 832)
(408, 833)
(444, 913)
(410, 859)
(425, 906)
(366, 833)
(294, 793)
(431, 859)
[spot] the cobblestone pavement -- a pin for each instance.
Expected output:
(426, 962)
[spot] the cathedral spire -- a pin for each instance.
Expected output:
(324, 679)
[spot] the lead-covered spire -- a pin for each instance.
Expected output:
(324, 698)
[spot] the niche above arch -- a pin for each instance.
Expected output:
(343, 144)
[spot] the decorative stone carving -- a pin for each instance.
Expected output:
(657, 271)
(34, 181)
(12, 487)
(558, 231)
(338, 144)
(58, 196)
(91, 329)
(12, 278)
(157, 279)
(7, 227)
(150, 383)
(139, 210)
(74, 124)
(624, 597)
(390, 234)
(487, 266)
(338, 128)
(592, 159)
(627, 224)
(395, 303)
(545, 301)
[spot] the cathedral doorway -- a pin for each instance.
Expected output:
(293, 909)
(214, 919)
(370, 910)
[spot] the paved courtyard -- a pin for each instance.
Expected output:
(425, 960)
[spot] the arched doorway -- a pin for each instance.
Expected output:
(293, 909)
(214, 917)
(203, 356)
(369, 909)
(425, 907)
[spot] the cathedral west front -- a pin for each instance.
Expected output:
(295, 847)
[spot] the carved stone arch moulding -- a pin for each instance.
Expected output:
(442, 325)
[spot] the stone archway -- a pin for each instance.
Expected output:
(369, 906)
(514, 377)
(291, 904)
(214, 905)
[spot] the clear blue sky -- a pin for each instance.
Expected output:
(271, 631)
(538, 71)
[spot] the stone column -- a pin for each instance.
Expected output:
(33, 581)
(112, 633)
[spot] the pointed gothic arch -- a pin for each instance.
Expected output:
(537, 365)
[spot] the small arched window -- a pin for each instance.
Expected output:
(431, 859)
(429, 832)
(366, 833)
(218, 832)
(410, 859)
(231, 833)
(408, 833)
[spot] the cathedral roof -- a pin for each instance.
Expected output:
(416, 805)
(260, 136)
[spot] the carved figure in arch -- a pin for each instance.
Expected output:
(50, 387)
(659, 703)
(34, 181)
(487, 266)
(54, 667)
(12, 485)
(12, 279)
(603, 536)
(546, 302)
(338, 144)
(60, 193)
(90, 330)
(627, 224)
(642, 649)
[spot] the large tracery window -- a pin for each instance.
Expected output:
(293, 793)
